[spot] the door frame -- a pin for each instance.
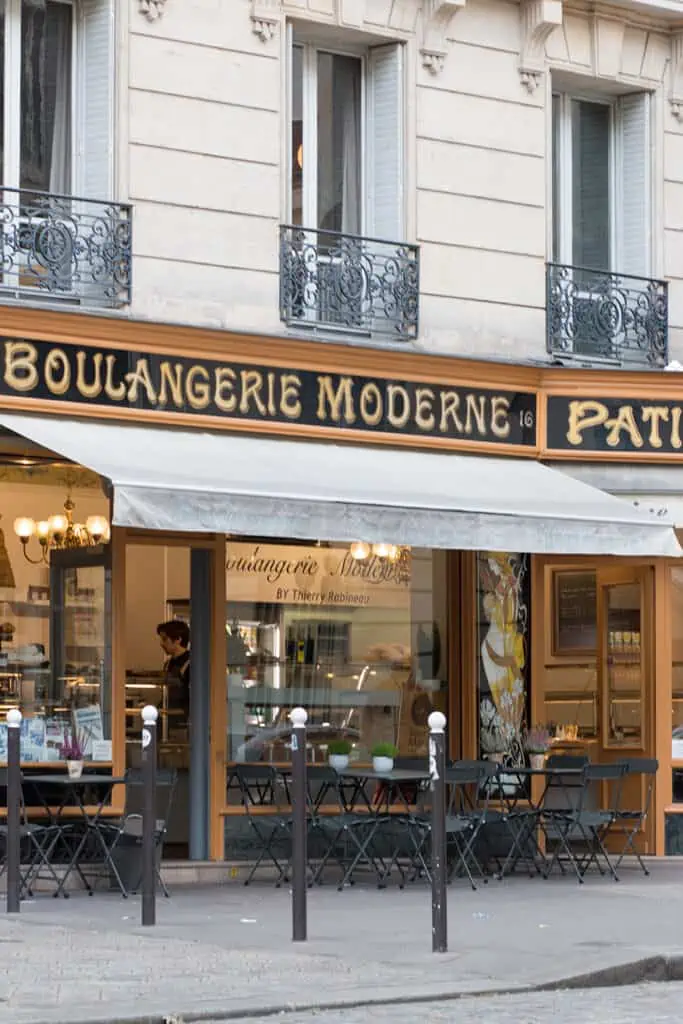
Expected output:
(122, 537)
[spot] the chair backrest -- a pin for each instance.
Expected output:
(474, 775)
(420, 764)
(597, 779)
(568, 761)
(166, 780)
(259, 785)
(641, 765)
(647, 767)
(565, 791)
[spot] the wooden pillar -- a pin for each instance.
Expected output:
(118, 660)
(218, 703)
(661, 697)
(467, 676)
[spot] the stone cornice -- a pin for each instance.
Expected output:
(538, 18)
(265, 18)
(437, 16)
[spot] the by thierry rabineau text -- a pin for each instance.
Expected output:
(94, 377)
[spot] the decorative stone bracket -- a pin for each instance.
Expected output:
(151, 9)
(437, 16)
(265, 18)
(676, 93)
(538, 18)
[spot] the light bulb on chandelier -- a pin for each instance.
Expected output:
(59, 532)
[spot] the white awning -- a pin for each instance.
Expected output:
(191, 480)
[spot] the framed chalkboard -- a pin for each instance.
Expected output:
(575, 613)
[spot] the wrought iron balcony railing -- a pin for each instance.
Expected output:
(335, 281)
(65, 248)
(599, 316)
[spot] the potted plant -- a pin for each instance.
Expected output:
(338, 754)
(537, 744)
(73, 751)
(383, 755)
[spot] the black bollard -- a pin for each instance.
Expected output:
(149, 771)
(298, 718)
(13, 811)
(437, 771)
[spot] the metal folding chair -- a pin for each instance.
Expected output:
(636, 820)
(588, 823)
(469, 785)
(37, 843)
(261, 787)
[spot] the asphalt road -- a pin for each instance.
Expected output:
(658, 1003)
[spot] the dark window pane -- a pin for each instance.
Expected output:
(590, 185)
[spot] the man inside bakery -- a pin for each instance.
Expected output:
(174, 638)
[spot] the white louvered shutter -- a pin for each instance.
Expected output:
(385, 142)
(633, 183)
(96, 137)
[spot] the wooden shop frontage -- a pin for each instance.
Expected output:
(372, 534)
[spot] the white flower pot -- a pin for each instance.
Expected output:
(382, 765)
(537, 762)
(75, 769)
(340, 762)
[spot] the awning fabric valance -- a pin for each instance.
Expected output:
(191, 480)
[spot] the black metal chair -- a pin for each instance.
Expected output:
(469, 786)
(587, 823)
(37, 843)
(261, 788)
(123, 839)
(635, 820)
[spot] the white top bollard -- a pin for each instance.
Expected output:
(298, 717)
(149, 715)
(436, 722)
(14, 718)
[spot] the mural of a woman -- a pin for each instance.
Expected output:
(503, 651)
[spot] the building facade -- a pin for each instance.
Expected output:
(343, 325)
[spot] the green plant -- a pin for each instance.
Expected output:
(339, 747)
(384, 750)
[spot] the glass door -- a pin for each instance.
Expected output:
(625, 598)
(80, 647)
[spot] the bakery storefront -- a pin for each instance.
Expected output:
(369, 545)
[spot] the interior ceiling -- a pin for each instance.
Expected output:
(21, 460)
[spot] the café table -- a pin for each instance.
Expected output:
(88, 795)
(396, 787)
(523, 822)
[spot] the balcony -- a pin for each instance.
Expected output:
(596, 317)
(66, 249)
(338, 282)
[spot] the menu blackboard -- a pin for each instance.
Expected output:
(575, 627)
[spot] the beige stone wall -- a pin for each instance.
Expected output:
(202, 125)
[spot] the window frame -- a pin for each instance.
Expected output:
(11, 85)
(311, 48)
(562, 208)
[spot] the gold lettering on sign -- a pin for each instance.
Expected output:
(624, 420)
(225, 398)
(197, 387)
(271, 394)
(500, 419)
(371, 409)
(57, 372)
(171, 379)
(140, 377)
(450, 404)
(290, 404)
(343, 395)
(117, 392)
(93, 390)
(654, 415)
(396, 419)
(20, 365)
(475, 409)
(584, 416)
(252, 382)
(424, 415)
(676, 426)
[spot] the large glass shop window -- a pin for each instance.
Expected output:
(356, 636)
(55, 649)
(503, 623)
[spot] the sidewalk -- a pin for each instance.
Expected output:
(227, 950)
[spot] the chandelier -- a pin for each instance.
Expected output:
(396, 554)
(59, 532)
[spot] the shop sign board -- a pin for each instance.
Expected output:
(264, 397)
(614, 426)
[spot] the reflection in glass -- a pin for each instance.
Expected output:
(624, 663)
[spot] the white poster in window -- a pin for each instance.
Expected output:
(88, 726)
(55, 737)
(101, 750)
(32, 739)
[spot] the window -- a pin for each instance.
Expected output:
(346, 140)
(601, 182)
(55, 77)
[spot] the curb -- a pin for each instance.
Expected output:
(649, 969)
